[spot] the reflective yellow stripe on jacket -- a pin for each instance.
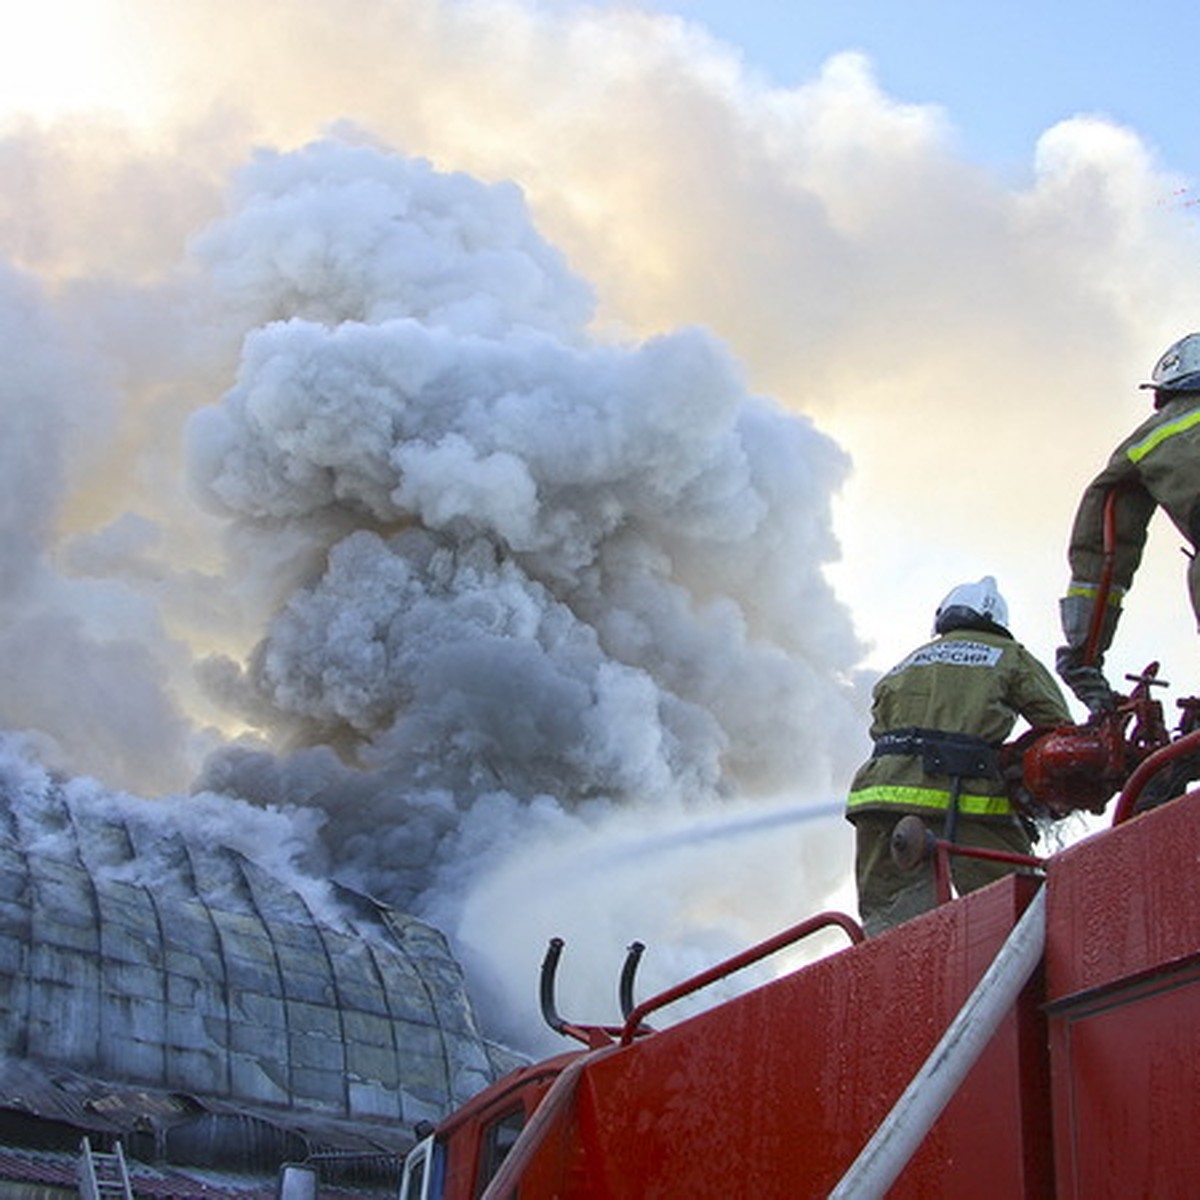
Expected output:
(921, 797)
(1159, 435)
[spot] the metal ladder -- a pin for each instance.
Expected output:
(103, 1176)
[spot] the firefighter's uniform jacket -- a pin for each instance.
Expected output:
(1157, 465)
(967, 682)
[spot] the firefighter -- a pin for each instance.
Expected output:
(1157, 465)
(938, 719)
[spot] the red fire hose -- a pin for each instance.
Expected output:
(1100, 601)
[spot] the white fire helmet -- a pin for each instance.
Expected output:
(1178, 370)
(982, 598)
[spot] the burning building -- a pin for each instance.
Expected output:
(201, 1007)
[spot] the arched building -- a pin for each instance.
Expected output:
(207, 1010)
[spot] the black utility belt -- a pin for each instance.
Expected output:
(943, 753)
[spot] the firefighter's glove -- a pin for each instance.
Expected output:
(1087, 682)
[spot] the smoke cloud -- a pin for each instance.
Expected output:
(444, 419)
(512, 581)
(547, 578)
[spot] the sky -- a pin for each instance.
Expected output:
(519, 433)
(1003, 74)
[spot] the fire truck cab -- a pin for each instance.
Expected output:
(463, 1155)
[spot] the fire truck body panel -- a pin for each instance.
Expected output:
(1123, 1001)
(1090, 1086)
(773, 1093)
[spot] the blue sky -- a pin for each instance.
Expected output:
(1004, 73)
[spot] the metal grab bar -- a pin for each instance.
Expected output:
(633, 955)
(591, 1035)
(1188, 744)
(823, 920)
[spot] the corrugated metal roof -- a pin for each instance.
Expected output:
(142, 972)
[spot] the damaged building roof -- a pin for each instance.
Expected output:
(150, 982)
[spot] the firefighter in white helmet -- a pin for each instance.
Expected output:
(1157, 466)
(938, 719)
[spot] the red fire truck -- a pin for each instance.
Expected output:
(1037, 1038)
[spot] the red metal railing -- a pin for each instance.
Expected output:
(1131, 792)
(941, 863)
(746, 958)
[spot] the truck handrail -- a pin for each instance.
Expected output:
(591, 1035)
(1131, 792)
(822, 920)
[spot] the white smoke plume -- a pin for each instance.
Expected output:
(514, 579)
(396, 409)
(548, 577)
